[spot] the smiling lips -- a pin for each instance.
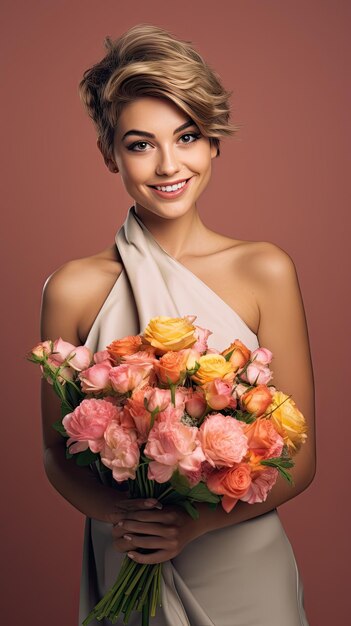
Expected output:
(168, 191)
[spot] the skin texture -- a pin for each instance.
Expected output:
(257, 279)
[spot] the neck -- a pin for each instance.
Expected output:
(180, 236)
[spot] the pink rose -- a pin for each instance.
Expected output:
(261, 355)
(261, 485)
(127, 377)
(223, 440)
(120, 452)
(201, 335)
(102, 356)
(81, 358)
(218, 394)
(87, 423)
(172, 445)
(96, 378)
(196, 404)
(61, 350)
(257, 374)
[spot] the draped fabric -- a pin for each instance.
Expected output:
(242, 575)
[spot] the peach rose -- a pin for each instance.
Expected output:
(232, 483)
(170, 333)
(127, 377)
(42, 349)
(240, 354)
(256, 400)
(172, 366)
(124, 346)
(263, 439)
(223, 440)
(213, 366)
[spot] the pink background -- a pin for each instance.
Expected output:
(284, 180)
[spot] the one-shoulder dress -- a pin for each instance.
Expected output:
(245, 574)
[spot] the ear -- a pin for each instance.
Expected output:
(213, 151)
(108, 162)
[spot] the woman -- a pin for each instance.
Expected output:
(160, 112)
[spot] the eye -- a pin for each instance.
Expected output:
(134, 145)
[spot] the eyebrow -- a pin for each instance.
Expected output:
(144, 133)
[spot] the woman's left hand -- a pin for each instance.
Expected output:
(167, 531)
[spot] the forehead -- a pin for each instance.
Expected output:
(151, 114)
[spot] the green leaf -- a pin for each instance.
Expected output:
(180, 483)
(201, 493)
(86, 457)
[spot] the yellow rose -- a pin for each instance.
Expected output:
(170, 333)
(289, 421)
(213, 366)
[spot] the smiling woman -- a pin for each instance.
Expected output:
(160, 113)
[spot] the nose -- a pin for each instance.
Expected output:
(167, 164)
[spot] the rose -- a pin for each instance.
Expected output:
(261, 484)
(289, 421)
(96, 378)
(201, 335)
(223, 440)
(42, 349)
(172, 445)
(120, 452)
(256, 400)
(127, 377)
(213, 366)
(170, 333)
(257, 374)
(261, 355)
(195, 403)
(240, 354)
(121, 347)
(218, 394)
(171, 367)
(232, 483)
(87, 423)
(263, 440)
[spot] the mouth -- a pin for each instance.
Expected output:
(172, 190)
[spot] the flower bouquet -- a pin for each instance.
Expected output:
(175, 420)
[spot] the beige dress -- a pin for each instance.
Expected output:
(242, 575)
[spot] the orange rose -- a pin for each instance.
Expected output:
(240, 356)
(126, 345)
(170, 365)
(256, 400)
(233, 483)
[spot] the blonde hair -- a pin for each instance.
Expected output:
(147, 60)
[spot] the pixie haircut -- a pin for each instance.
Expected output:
(147, 60)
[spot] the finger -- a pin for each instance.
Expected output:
(153, 542)
(131, 504)
(156, 557)
(134, 526)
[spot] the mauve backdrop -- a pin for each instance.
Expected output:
(283, 180)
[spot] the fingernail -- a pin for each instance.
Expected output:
(131, 556)
(127, 537)
(120, 523)
(159, 505)
(150, 503)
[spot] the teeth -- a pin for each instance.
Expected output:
(171, 187)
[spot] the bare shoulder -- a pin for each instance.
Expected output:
(74, 293)
(266, 261)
